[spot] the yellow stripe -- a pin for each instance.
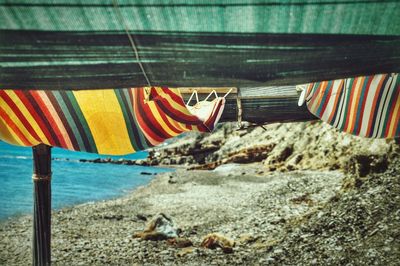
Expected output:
(106, 121)
(159, 119)
(178, 126)
(16, 120)
(195, 128)
(7, 136)
(395, 117)
(174, 105)
(21, 106)
(317, 97)
(356, 99)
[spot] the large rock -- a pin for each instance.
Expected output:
(160, 227)
(287, 146)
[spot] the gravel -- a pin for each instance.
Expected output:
(310, 214)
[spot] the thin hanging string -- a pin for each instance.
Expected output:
(133, 45)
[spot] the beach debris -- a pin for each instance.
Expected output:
(160, 227)
(180, 242)
(215, 240)
(145, 173)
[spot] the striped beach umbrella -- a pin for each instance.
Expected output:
(113, 121)
(366, 106)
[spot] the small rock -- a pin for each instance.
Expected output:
(215, 240)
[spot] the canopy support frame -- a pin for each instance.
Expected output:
(41, 240)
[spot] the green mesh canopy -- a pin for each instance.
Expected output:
(82, 43)
(274, 16)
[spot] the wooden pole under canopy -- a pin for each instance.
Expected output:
(41, 252)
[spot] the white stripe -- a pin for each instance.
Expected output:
(380, 107)
(385, 108)
(341, 101)
(331, 99)
(342, 118)
(308, 97)
(368, 104)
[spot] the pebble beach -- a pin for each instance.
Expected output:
(285, 216)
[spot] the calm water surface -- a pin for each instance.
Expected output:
(73, 182)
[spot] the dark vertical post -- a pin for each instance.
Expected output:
(41, 254)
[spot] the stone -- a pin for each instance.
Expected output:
(215, 240)
(160, 227)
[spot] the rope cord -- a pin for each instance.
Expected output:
(37, 177)
(239, 109)
(133, 45)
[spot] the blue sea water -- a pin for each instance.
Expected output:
(73, 182)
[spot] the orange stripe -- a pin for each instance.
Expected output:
(396, 125)
(320, 94)
(314, 97)
(352, 92)
(357, 102)
(14, 128)
(17, 112)
(21, 95)
(392, 122)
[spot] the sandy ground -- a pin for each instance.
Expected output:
(296, 217)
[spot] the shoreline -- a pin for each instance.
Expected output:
(147, 171)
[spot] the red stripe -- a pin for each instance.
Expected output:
(181, 117)
(165, 119)
(209, 123)
(174, 97)
(370, 78)
(178, 115)
(64, 121)
(35, 115)
(334, 109)
(349, 105)
(315, 95)
(19, 114)
(139, 102)
(373, 108)
(171, 111)
(50, 118)
(154, 123)
(328, 97)
(14, 127)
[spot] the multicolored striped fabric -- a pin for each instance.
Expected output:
(364, 106)
(114, 121)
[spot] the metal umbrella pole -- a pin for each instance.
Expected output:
(41, 253)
